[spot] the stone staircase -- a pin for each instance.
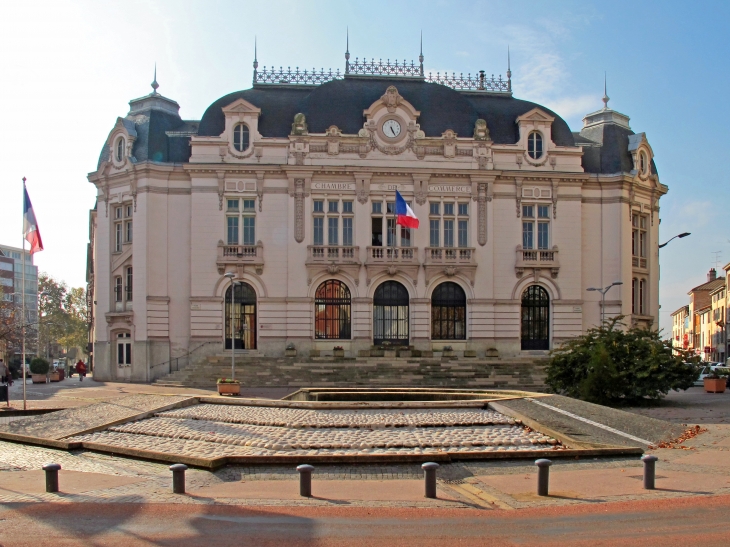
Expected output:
(446, 372)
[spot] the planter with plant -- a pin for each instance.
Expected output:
(39, 368)
(226, 386)
(714, 383)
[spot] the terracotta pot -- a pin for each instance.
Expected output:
(715, 386)
(38, 378)
(229, 389)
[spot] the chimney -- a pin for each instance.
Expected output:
(711, 275)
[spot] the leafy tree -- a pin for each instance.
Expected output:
(610, 365)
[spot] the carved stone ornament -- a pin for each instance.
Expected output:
(391, 98)
(299, 210)
(482, 215)
(299, 127)
(481, 131)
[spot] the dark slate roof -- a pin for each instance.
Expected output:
(342, 102)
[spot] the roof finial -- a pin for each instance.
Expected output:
(347, 51)
(509, 72)
(420, 57)
(606, 98)
(154, 83)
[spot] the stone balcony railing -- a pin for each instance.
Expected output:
(240, 255)
(392, 260)
(450, 261)
(537, 259)
(324, 254)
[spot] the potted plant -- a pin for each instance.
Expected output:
(227, 386)
(339, 352)
(290, 350)
(39, 369)
(714, 383)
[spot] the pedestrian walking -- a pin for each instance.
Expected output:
(81, 369)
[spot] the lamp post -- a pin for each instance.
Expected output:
(680, 236)
(231, 275)
(603, 297)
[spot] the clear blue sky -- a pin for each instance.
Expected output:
(70, 68)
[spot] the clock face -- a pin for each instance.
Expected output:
(391, 128)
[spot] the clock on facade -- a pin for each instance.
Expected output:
(391, 128)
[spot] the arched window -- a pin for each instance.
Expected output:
(240, 137)
(448, 312)
(534, 145)
(535, 318)
(120, 149)
(244, 317)
(390, 314)
(332, 311)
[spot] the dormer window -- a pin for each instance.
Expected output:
(120, 149)
(241, 137)
(643, 163)
(534, 145)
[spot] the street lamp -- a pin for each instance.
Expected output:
(680, 236)
(603, 298)
(231, 275)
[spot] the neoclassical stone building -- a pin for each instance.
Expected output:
(286, 191)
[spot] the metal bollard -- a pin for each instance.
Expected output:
(52, 470)
(305, 480)
(649, 471)
(178, 478)
(430, 469)
(543, 476)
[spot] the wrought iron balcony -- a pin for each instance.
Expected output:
(392, 255)
(241, 255)
(537, 259)
(324, 254)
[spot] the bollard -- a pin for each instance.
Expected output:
(52, 470)
(305, 480)
(649, 470)
(178, 478)
(543, 476)
(430, 469)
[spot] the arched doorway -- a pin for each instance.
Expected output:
(535, 329)
(332, 306)
(244, 317)
(390, 314)
(448, 312)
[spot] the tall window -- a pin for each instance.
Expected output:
(128, 290)
(332, 307)
(639, 239)
(241, 221)
(118, 290)
(240, 137)
(124, 349)
(534, 145)
(334, 217)
(448, 224)
(118, 229)
(448, 312)
(536, 227)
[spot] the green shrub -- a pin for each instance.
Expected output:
(611, 365)
(39, 366)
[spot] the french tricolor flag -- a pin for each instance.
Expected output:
(405, 215)
(30, 225)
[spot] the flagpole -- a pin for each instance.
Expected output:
(22, 296)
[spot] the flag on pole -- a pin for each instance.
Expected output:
(30, 226)
(405, 215)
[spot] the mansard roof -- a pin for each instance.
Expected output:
(342, 102)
